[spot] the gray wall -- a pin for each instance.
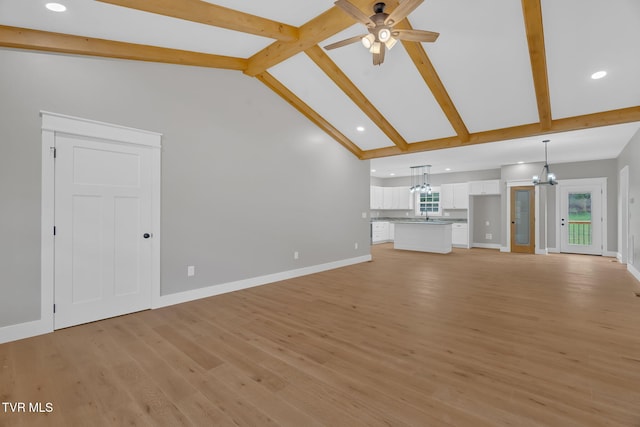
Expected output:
(486, 209)
(246, 179)
(630, 156)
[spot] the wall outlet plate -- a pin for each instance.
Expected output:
(191, 270)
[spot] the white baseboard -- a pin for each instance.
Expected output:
(24, 330)
(542, 251)
(505, 249)
(553, 250)
(209, 291)
(486, 245)
(634, 271)
(619, 257)
(610, 254)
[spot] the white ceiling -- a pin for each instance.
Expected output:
(481, 57)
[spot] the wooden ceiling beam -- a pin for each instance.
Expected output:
(532, 11)
(430, 76)
(322, 60)
(211, 14)
(587, 121)
(313, 32)
(23, 38)
(273, 84)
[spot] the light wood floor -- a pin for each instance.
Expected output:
(474, 338)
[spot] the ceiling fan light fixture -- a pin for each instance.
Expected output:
(368, 40)
(391, 43)
(384, 35)
(375, 48)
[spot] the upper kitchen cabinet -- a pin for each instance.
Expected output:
(391, 198)
(454, 196)
(491, 186)
(376, 197)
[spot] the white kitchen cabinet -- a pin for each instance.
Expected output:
(454, 196)
(376, 197)
(402, 198)
(387, 198)
(379, 231)
(460, 234)
(491, 186)
(390, 198)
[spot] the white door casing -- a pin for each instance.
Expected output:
(107, 258)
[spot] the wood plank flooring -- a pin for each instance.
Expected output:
(474, 338)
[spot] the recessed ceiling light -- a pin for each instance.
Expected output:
(392, 174)
(447, 169)
(360, 128)
(520, 162)
(598, 75)
(56, 7)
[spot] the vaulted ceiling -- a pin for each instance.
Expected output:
(500, 70)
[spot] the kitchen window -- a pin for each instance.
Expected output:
(428, 204)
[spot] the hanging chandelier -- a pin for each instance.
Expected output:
(546, 177)
(420, 179)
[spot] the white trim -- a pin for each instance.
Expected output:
(486, 245)
(542, 251)
(553, 250)
(602, 182)
(209, 291)
(610, 254)
(24, 330)
(505, 249)
(631, 269)
(95, 129)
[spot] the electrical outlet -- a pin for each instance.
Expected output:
(191, 270)
(487, 223)
(364, 215)
(356, 245)
(296, 255)
(488, 236)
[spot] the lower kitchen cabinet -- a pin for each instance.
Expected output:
(460, 234)
(379, 232)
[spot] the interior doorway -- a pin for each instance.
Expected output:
(522, 214)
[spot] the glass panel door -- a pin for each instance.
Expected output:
(581, 219)
(522, 220)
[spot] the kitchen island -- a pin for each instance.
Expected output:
(424, 236)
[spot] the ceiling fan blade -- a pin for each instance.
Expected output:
(401, 12)
(354, 12)
(415, 35)
(343, 42)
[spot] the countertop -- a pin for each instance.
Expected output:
(420, 220)
(424, 222)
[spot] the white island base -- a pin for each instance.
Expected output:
(434, 236)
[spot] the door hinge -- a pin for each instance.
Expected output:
(54, 308)
(54, 151)
(54, 230)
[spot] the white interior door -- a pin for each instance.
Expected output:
(103, 229)
(581, 219)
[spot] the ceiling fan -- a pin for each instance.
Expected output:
(380, 25)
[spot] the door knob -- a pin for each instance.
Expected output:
(146, 235)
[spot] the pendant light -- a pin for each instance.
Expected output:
(546, 177)
(420, 179)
